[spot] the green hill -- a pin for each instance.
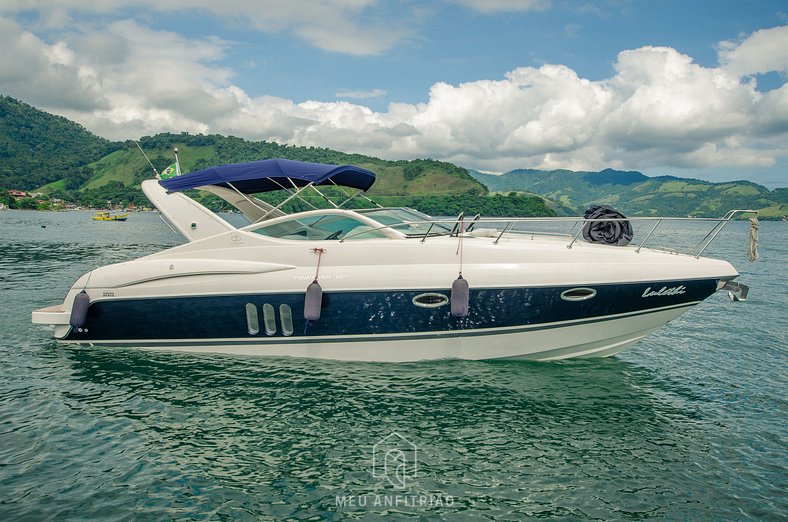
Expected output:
(60, 158)
(636, 194)
(415, 178)
(38, 148)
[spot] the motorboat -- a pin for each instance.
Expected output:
(378, 284)
(105, 215)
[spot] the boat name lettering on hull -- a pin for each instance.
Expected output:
(326, 277)
(675, 290)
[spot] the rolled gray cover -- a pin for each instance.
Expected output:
(313, 301)
(79, 310)
(459, 297)
(618, 233)
(752, 246)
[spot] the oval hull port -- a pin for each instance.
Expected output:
(578, 294)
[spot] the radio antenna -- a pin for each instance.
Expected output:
(156, 172)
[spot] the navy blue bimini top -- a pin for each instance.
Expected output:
(272, 174)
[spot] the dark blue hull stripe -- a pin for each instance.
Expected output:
(371, 313)
(257, 341)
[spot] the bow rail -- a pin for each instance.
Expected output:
(502, 226)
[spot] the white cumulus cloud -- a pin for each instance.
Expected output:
(764, 51)
(500, 6)
(361, 95)
(333, 25)
(658, 108)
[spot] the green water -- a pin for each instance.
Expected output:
(689, 424)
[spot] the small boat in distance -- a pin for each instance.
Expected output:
(105, 215)
(382, 284)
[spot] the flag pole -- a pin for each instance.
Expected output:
(177, 163)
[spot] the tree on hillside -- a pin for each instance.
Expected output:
(37, 148)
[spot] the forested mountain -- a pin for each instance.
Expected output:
(60, 158)
(37, 148)
(636, 194)
(416, 177)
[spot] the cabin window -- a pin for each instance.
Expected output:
(252, 320)
(269, 319)
(286, 317)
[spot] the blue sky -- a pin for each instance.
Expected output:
(694, 89)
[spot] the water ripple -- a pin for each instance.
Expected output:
(689, 424)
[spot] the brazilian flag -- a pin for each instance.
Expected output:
(169, 172)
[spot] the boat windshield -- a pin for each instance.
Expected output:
(319, 227)
(406, 220)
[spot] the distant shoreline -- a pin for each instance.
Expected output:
(739, 218)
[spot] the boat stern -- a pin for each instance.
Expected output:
(57, 316)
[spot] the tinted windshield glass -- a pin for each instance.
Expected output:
(406, 220)
(322, 227)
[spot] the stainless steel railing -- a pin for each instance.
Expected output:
(454, 226)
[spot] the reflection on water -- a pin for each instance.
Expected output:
(688, 424)
(496, 433)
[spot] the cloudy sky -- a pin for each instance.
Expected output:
(689, 88)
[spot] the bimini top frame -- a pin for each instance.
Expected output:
(291, 176)
(272, 174)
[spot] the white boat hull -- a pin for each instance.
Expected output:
(387, 296)
(602, 337)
